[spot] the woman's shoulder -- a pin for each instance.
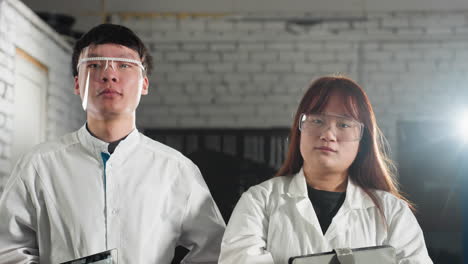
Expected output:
(277, 184)
(273, 183)
(389, 198)
(392, 204)
(265, 196)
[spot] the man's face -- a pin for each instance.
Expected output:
(115, 88)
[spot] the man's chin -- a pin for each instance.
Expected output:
(103, 114)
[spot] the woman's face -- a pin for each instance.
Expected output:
(323, 151)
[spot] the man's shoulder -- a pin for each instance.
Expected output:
(39, 153)
(51, 146)
(161, 150)
(168, 156)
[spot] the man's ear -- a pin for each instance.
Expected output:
(77, 86)
(144, 89)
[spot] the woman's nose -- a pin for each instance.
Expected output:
(328, 133)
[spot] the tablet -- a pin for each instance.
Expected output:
(365, 255)
(105, 257)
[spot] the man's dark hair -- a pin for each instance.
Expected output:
(112, 34)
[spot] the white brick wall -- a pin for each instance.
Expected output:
(21, 28)
(412, 64)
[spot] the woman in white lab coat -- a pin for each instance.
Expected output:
(336, 188)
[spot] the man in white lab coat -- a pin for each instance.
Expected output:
(106, 185)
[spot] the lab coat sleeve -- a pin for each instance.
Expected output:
(244, 241)
(202, 224)
(406, 236)
(18, 243)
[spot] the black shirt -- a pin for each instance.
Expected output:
(326, 205)
(112, 145)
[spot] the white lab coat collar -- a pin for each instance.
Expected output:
(356, 198)
(97, 146)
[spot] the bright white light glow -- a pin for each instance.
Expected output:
(462, 126)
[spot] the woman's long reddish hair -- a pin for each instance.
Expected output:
(372, 169)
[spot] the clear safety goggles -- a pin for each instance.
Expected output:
(344, 128)
(96, 65)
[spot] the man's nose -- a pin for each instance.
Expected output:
(109, 73)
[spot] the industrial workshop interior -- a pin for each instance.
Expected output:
(228, 76)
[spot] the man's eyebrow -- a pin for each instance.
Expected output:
(128, 56)
(122, 55)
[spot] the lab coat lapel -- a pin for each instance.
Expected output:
(340, 224)
(124, 149)
(298, 191)
(356, 199)
(94, 145)
(97, 146)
